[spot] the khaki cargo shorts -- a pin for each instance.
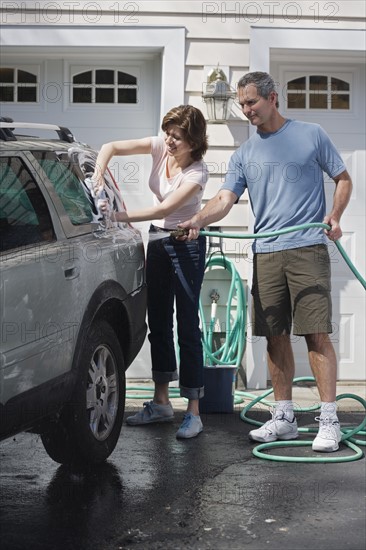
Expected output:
(291, 289)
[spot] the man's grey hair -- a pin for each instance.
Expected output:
(262, 81)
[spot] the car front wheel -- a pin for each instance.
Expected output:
(89, 426)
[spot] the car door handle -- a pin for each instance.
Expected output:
(71, 272)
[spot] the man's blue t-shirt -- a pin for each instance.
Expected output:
(283, 172)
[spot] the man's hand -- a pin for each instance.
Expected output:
(192, 228)
(335, 231)
(340, 200)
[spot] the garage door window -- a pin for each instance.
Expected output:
(104, 86)
(318, 92)
(18, 86)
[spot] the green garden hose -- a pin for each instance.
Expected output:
(232, 351)
(347, 437)
(283, 232)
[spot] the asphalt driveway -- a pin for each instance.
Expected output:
(157, 492)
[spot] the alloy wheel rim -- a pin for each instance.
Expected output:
(102, 393)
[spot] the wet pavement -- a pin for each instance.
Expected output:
(157, 492)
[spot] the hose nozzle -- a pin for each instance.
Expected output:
(179, 232)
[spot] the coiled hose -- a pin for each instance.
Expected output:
(232, 351)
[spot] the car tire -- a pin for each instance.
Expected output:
(89, 426)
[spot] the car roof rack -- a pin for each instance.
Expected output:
(7, 127)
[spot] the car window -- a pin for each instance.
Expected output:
(67, 183)
(24, 216)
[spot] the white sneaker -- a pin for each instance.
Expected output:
(190, 427)
(279, 427)
(329, 435)
(150, 413)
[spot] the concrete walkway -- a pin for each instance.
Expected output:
(304, 396)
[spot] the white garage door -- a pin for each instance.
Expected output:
(101, 99)
(332, 95)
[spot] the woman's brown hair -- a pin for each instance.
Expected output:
(193, 124)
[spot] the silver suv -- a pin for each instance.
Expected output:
(73, 297)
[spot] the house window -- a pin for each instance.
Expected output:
(104, 86)
(318, 92)
(18, 86)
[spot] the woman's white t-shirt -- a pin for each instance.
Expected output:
(162, 186)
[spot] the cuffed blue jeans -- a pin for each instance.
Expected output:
(174, 270)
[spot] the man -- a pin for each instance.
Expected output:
(282, 167)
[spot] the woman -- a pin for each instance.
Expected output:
(174, 268)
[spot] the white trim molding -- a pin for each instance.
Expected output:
(264, 40)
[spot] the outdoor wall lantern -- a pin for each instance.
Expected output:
(218, 96)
